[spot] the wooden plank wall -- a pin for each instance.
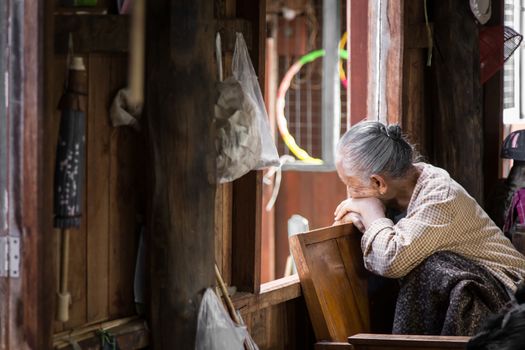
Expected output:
(313, 195)
(103, 251)
(284, 325)
(277, 317)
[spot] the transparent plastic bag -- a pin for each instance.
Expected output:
(243, 140)
(244, 72)
(215, 329)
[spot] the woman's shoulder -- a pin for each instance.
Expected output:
(434, 181)
(432, 175)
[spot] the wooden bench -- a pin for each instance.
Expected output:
(334, 280)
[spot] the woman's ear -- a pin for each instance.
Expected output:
(379, 184)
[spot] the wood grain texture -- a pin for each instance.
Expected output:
(493, 120)
(26, 301)
(94, 33)
(267, 235)
(394, 45)
(115, 185)
(415, 35)
(180, 95)
(333, 280)
(456, 95)
(97, 164)
(48, 155)
(272, 293)
(281, 326)
(359, 51)
(131, 336)
(223, 195)
(223, 230)
(247, 191)
(246, 232)
(415, 342)
(415, 119)
(34, 305)
(126, 193)
(326, 345)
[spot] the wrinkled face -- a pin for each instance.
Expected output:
(356, 187)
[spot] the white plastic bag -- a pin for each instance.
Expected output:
(244, 72)
(215, 329)
(243, 140)
(237, 140)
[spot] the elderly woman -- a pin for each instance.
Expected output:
(445, 244)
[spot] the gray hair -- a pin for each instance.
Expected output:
(370, 147)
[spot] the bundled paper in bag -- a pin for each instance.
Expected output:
(243, 140)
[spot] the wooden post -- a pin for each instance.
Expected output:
(414, 116)
(26, 293)
(247, 191)
(385, 61)
(493, 117)
(359, 54)
(458, 121)
(180, 100)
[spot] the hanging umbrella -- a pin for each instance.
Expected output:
(69, 170)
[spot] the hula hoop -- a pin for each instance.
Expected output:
(342, 74)
(280, 103)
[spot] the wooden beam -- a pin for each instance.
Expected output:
(27, 297)
(397, 341)
(456, 95)
(327, 345)
(385, 63)
(180, 100)
(272, 293)
(359, 53)
(247, 191)
(394, 62)
(416, 34)
(415, 119)
(246, 232)
(493, 118)
(34, 325)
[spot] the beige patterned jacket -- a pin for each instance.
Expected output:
(441, 216)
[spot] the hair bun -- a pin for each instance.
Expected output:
(394, 132)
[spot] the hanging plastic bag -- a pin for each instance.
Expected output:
(215, 329)
(243, 140)
(244, 72)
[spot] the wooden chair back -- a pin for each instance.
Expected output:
(329, 262)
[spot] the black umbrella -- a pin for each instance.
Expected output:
(70, 169)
